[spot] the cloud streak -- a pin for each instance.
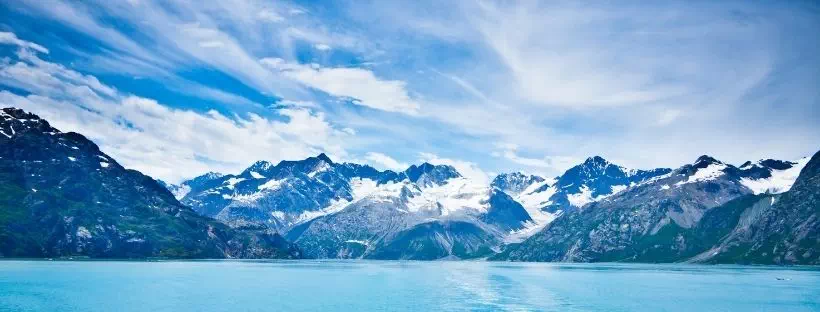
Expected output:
(164, 142)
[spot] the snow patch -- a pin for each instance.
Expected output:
(454, 196)
(230, 183)
(780, 181)
(711, 172)
(582, 198)
(356, 241)
(278, 214)
(617, 189)
(256, 175)
(539, 221)
(104, 164)
(180, 191)
(272, 185)
(72, 159)
(665, 187)
(82, 232)
(361, 188)
(323, 166)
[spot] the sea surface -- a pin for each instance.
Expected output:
(400, 286)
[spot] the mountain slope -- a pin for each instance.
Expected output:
(669, 218)
(784, 230)
(61, 196)
(401, 213)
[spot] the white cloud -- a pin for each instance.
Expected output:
(270, 16)
(360, 84)
(384, 161)
(211, 44)
(668, 116)
(551, 164)
(11, 38)
(467, 169)
(166, 143)
(321, 47)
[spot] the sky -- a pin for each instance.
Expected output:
(178, 88)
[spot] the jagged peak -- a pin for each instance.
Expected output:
(323, 157)
(517, 176)
(706, 159)
(441, 172)
(210, 175)
(260, 165)
(11, 118)
(596, 160)
(18, 113)
(775, 164)
(427, 167)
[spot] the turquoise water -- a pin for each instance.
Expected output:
(400, 286)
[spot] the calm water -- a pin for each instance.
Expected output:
(397, 286)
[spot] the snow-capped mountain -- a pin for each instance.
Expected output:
(197, 183)
(629, 225)
(771, 176)
(430, 218)
(345, 210)
(590, 181)
(298, 197)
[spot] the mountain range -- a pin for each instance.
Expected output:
(61, 196)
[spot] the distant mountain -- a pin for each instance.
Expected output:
(61, 196)
(283, 195)
(590, 181)
(778, 229)
(197, 183)
(344, 210)
(516, 183)
(666, 218)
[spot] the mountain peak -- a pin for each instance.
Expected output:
(706, 159)
(323, 157)
(260, 165)
(18, 113)
(15, 120)
(210, 175)
(439, 173)
(596, 161)
(515, 182)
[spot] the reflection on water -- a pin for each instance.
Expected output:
(400, 285)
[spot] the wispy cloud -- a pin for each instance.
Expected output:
(361, 85)
(11, 38)
(164, 142)
(384, 161)
(558, 80)
(467, 169)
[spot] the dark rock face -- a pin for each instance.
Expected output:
(504, 212)
(61, 196)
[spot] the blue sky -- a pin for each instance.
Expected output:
(177, 88)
